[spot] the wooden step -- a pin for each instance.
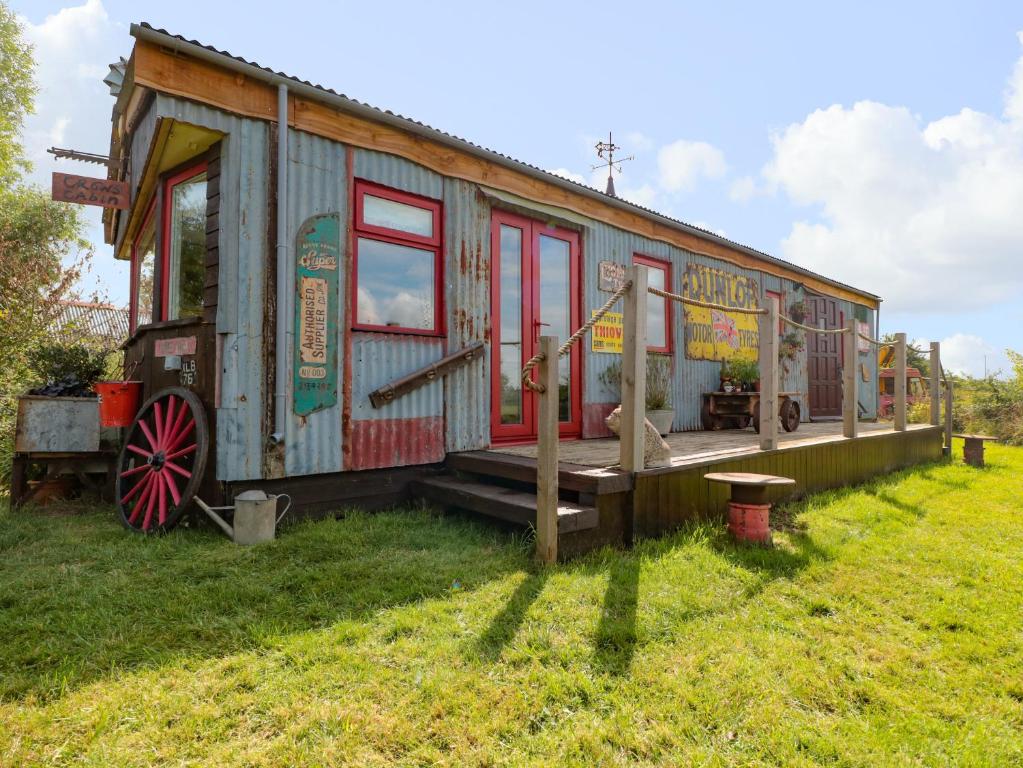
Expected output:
(502, 503)
(571, 477)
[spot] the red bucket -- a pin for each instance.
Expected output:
(119, 401)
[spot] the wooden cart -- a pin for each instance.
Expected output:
(736, 410)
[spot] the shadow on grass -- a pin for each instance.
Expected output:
(506, 623)
(615, 640)
(80, 597)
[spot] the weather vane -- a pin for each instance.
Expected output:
(606, 152)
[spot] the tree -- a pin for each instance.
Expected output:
(42, 248)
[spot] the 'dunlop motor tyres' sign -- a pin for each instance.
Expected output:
(713, 334)
(317, 256)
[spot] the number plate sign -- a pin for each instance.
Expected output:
(317, 257)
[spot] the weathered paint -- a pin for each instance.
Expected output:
(317, 339)
(397, 442)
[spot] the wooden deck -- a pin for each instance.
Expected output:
(697, 447)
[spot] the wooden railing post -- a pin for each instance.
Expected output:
(935, 383)
(634, 370)
(547, 453)
(768, 362)
(947, 450)
(850, 417)
(900, 382)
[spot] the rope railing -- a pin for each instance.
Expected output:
(572, 340)
(809, 328)
(705, 304)
(876, 342)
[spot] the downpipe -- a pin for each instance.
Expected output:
(282, 349)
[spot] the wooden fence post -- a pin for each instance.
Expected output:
(850, 416)
(547, 454)
(634, 370)
(935, 383)
(768, 362)
(947, 450)
(900, 382)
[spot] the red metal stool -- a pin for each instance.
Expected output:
(749, 512)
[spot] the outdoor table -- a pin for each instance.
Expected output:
(973, 448)
(748, 509)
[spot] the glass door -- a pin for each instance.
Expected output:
(534, 292)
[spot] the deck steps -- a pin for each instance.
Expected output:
(522, 469)
(507, 504)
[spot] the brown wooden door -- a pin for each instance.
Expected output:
(824, 358)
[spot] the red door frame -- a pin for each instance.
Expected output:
(531, 329)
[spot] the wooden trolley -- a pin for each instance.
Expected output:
(736, 410)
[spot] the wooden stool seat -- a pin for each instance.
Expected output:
(973, 448)
(748, 478)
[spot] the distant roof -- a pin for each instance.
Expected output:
(90, 319)
(145, 30)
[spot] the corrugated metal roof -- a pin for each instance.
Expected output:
(89, 319)
(474, 148)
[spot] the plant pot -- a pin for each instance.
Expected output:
(662, 420)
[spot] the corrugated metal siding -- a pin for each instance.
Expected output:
(139, 151)
(243, 253)
(396, 172)
(793, 372)
(317, 184)
(467, 297)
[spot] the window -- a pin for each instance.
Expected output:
(397, 269)
(184, 243)
(143, 270)
(658, 310)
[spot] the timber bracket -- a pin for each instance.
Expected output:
(391, 391)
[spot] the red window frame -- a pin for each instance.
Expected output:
(169, 183)
(665, 267)
(398, 237)
(133, 290)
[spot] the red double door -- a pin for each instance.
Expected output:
(534, 291)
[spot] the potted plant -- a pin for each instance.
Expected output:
(799, 310)
(727, 377)
(658, 389)
(746, 375)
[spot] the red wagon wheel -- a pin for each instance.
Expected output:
(162, 461)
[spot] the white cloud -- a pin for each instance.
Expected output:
(682, 163)
(742, 189)
(926, 214)
(636, 141)
(964, 353)
(72, 50)
(567, 174)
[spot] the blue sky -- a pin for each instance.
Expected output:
(882, 145)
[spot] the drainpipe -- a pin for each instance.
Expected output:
(282, 348)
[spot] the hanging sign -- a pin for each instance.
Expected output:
(713, 334)
(862, 345)
(606, 336)
(108, 193)
(317, 256)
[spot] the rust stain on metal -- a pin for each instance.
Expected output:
(346, 360)
(380, 443)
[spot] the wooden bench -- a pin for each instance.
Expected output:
(749, 512)
(973, 448)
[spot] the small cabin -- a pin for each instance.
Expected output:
(294, 253)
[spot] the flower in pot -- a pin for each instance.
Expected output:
(727, 377)
(799, 310)
(746, 373)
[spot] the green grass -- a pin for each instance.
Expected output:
(884, 629)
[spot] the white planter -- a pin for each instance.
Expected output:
(661, 420)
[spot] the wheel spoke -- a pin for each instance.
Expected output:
(158, 424)
(135, 470)
(162, 480)
(172, 486)
(151, 504)
(169, 420)
(138, 486)
(142, 499)
(182, 436)
(139, 451)
(183, 452)
(153, 443)
(175, 430)
(174, 467)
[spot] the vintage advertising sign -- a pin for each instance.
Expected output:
(317, 263)
(862, 345)
(108, 193)
(179, 345)
(610, 276)
(713, 334)
(606, 336)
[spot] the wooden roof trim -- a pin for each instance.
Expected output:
(179, 74)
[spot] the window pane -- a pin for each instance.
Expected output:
(655, 309)
(380, 212)
(145, 253)
(187, 247)
(396, 285)
(555, 304)
(511, 325)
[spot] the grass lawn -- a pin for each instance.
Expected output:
(885, 628)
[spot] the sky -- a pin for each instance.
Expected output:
(880, 144)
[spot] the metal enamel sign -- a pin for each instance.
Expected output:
(107, 193)
(713, 334)
(317, 256)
